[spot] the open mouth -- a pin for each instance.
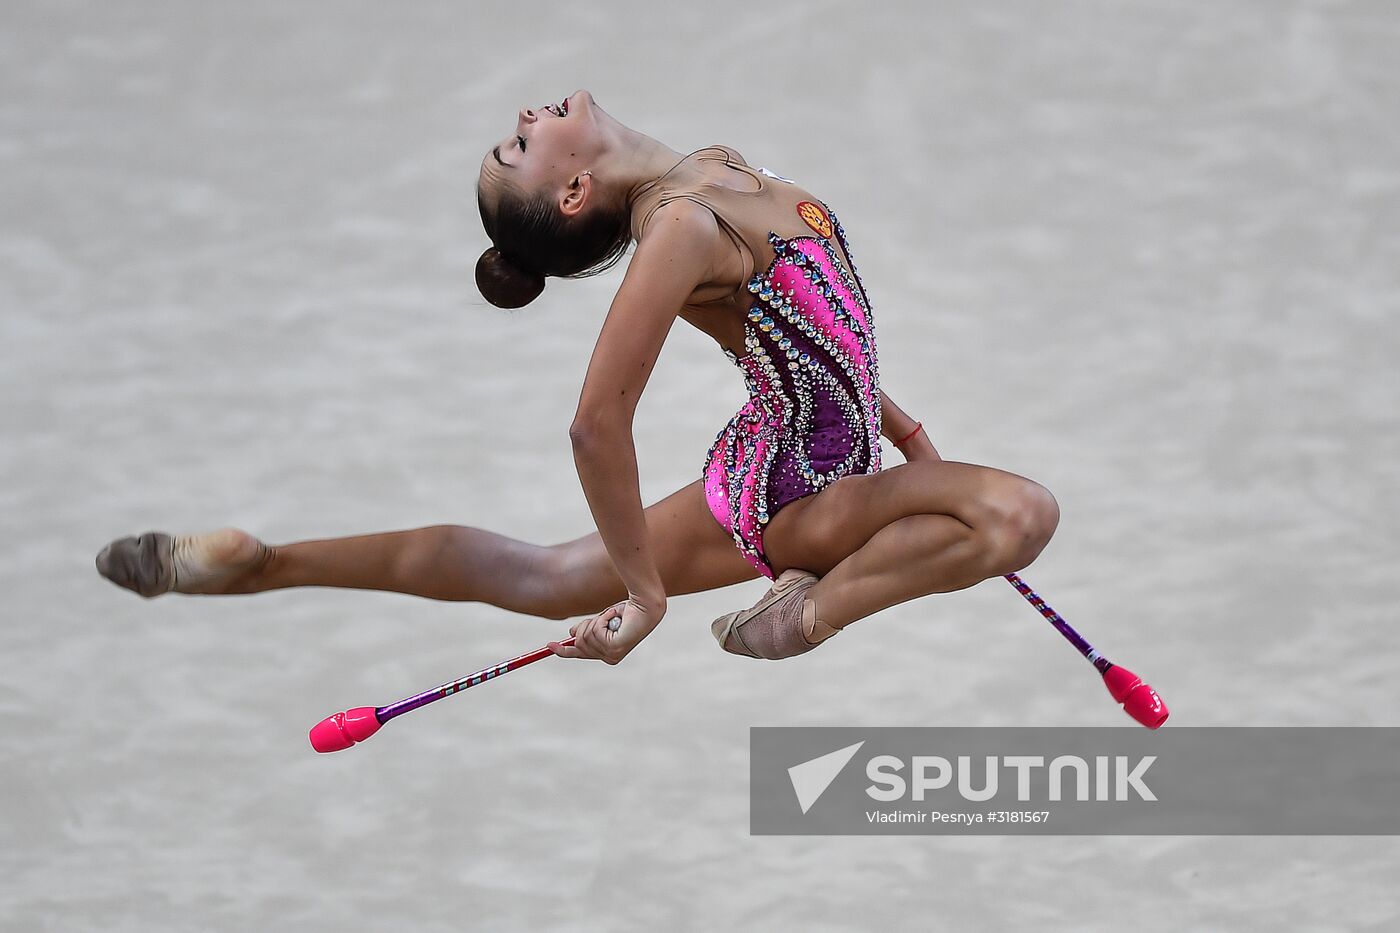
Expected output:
(560, 109)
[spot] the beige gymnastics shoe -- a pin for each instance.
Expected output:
(155, 563)
(782, 624)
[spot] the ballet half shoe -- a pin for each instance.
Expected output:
(782, 624)
(155, 563)
(144, 564)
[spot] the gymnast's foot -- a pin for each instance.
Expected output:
(782, 624)
(156, 563)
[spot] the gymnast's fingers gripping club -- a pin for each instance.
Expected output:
(610, 635)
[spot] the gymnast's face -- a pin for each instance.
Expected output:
(549, 149)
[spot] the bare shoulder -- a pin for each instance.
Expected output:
(675, 255)
(678, 222)
(682, 239)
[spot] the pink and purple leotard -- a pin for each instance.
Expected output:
(813, 413)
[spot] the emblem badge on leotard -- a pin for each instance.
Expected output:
(813, 216)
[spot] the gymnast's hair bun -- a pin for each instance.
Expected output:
(505, 284)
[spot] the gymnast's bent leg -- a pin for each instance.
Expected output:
(868, 542)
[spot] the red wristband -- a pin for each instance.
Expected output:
(918, 426)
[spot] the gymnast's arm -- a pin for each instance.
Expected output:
(896, 425)
(671, 260)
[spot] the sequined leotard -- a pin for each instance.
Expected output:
(813, 414)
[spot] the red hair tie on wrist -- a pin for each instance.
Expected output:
(918, 426)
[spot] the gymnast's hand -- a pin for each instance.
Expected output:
(612, 633)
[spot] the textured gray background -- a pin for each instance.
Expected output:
(1144, 253)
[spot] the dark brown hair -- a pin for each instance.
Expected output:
(532, 239)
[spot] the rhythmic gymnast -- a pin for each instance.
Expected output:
(792, 488)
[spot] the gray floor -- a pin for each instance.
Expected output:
(1144, 253)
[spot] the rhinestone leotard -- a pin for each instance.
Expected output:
(813, 414)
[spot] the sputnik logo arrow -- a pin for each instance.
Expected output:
(811, 778)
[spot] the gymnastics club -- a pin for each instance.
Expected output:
(1139, 700)
(338, 732)
(342, 730)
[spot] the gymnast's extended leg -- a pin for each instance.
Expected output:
(447, 562)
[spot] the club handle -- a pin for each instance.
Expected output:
(386, 713)
(339, 732)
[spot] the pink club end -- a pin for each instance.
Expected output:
(339, 732)
(1139, 700)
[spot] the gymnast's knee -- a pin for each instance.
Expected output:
(1026, 524)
